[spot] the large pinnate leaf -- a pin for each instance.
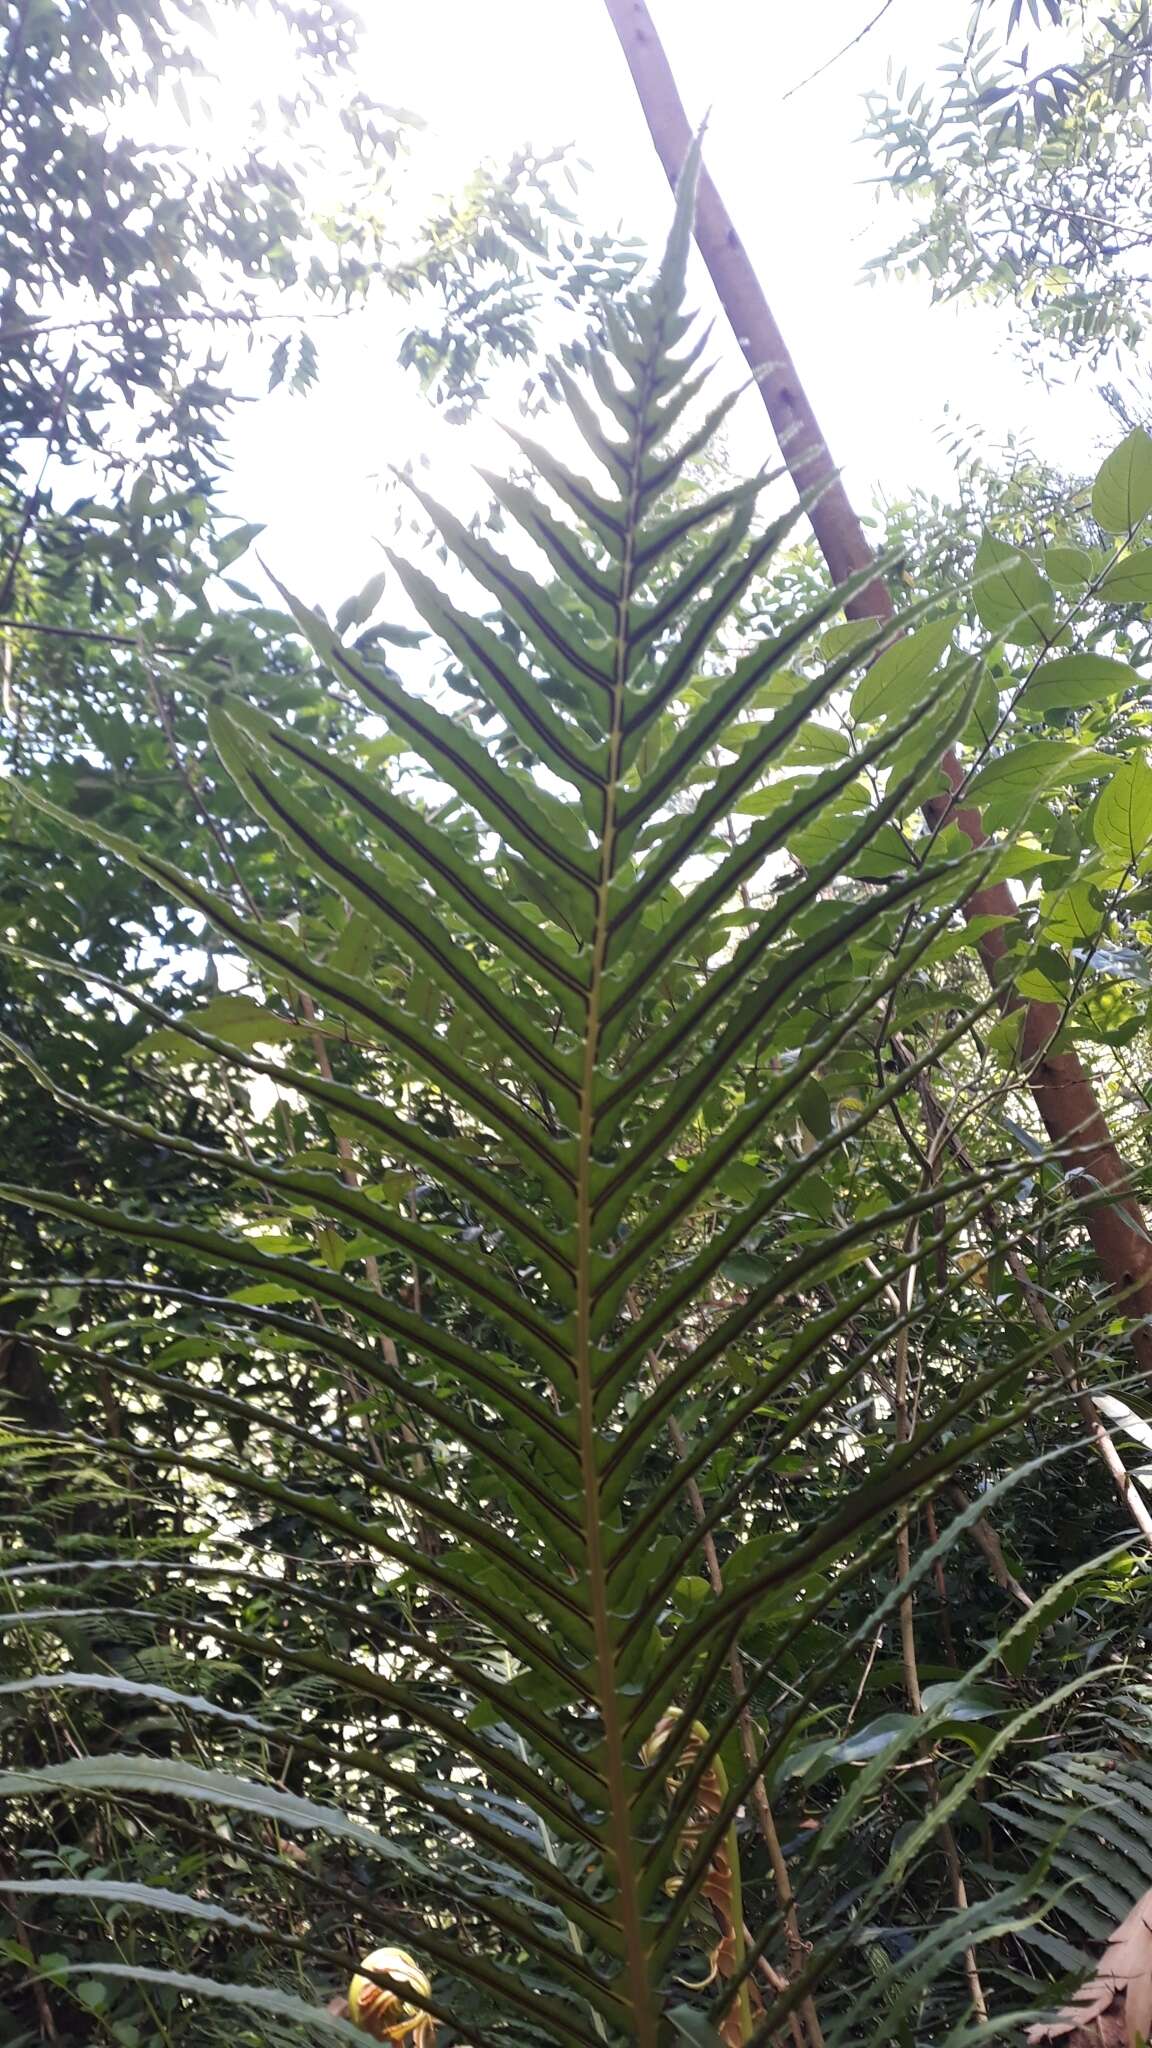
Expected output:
(596, 1056)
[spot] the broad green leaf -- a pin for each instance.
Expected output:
(1122, 492)
(844, 639)
(1016, 779)
(1050, 1601)
(1071, 916)
(1012, 598)
(237, 1020)
(1122, 820)
(972, 1774)
(1075, 679)
(1129, 581)
(1068, 568)
(356, 610)
(354, 947)
(1037, 986)
(818, 745)
(1004, 1036)
(838, 823)
(896, 678)
(826, 1754)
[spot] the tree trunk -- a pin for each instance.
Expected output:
(1063, 1093)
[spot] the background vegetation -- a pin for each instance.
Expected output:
(561, 1413)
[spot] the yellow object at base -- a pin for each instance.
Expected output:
(383, 2013)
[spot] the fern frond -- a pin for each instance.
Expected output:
(605, 1013)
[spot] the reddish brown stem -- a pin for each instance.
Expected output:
(1063, 1093)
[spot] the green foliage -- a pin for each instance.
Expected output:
(119, 329)
(479, 271)
(638, 1165)
(188, 260)
(153, 251)
(1030, 177)
(1122, 493)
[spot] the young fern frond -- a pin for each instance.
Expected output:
(592, 1051)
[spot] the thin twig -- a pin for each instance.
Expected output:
(210, 315)
(941, 1588)
(874, 1651)
(836, 56)
(87, 633)
(982, 1534)
(804, 2024)
(1101, 1438)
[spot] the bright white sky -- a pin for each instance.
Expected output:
(880, 362)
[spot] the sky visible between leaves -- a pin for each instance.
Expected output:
(884, 367)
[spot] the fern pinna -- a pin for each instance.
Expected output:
(536, 1749)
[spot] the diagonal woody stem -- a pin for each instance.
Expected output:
(1065, 1098)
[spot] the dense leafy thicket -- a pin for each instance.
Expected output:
(559, 1426)
(551, 1418)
